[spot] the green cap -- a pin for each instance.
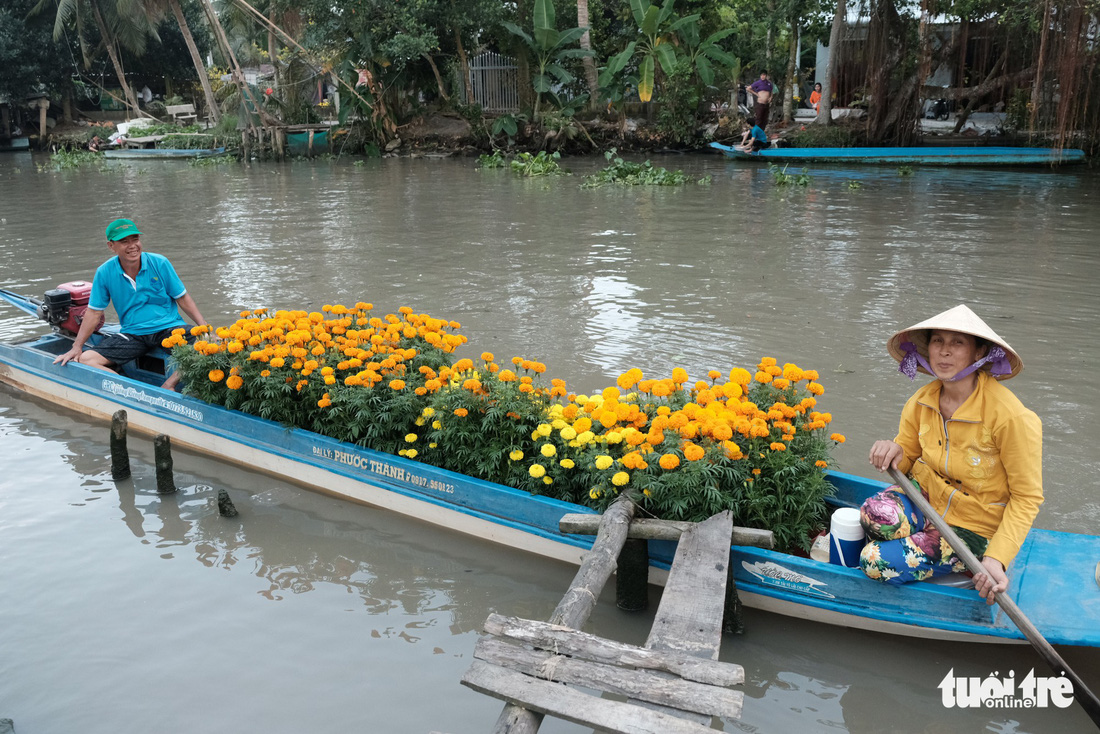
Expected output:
(120, 229)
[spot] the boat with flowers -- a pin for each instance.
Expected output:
(1052, 580)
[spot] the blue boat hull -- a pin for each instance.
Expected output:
(1052, 580)
(946, 156)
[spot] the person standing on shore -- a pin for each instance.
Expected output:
(761, 91)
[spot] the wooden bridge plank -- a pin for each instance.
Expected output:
(572, 705)
(639, 684)
(566, 641)
(689, 618)
(652, 529)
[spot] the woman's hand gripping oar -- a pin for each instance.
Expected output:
(1081, 692)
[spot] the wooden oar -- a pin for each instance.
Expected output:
(1081, 692)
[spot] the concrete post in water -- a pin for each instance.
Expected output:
(225, 505)
(632, 576)
(120, 457)
(162, 451)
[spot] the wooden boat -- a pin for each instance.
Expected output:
(9, 145)
(1052, 579)
(155, 153)
(929, 156)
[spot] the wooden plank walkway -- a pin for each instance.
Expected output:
(674, 685)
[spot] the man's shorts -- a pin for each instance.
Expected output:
(123, 348)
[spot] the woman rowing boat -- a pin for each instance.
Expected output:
(970, 444)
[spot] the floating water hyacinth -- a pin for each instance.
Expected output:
(749, 442)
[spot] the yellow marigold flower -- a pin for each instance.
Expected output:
(604, 462)
(613, 437)
(567, 463)
(839, 438)
(548, 450)
(234, 382)
(432, 445)
(620, 478)
(594, 493)
(330, 380)
(714, 374)
(216, 375)
(487, 356)
(668, 462)
(781, 383)
(585, 437)
(679, 375)
(821, 464)
(410, 437)
(461, 412)
(515, 455)
(411, 453)
(428, 412)
(740, 376)
(547, 480)
(762, 377)
(506, 376)
(397, 384)
(537, 471)
(810, 375)
(544, 429)
(437, 425)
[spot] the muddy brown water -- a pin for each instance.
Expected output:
(122, 611)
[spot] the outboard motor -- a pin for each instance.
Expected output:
(63, 307)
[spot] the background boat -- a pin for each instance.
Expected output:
(152, 153)
(926, 156)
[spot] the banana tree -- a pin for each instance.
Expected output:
(549, 48)
(657, 26)
(705, 53)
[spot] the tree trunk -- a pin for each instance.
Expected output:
(464, 67)
(438, 78)
(769, 38)
(589, 63)
(792, 74)
(112, 52)
(196, 59)
(527, 97)
(1037, 85)
(825, 108)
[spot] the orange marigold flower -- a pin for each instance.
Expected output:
(216, 375)
(669, 462)
(762, 377)
(815, 388)
(461, 412)
(821, 464)
(487, 356)
(714, 374)
(839, 438)
(397, 384)
(234, 382)
(679, 375)
(778, 446)
(693, 452)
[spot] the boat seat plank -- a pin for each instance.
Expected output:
(567, 641)
(643, 685)
(1059, 590)
(689, 618)
(572, 705)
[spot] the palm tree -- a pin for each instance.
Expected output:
(196, 59)
(586, 43)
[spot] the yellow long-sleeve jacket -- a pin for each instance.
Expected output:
(983, 467)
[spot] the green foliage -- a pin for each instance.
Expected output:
(854, 185)
(188, 142)
(67, 160)
(540, 164)
(210, 161)
(782, 178)
(622, 173)
(905, 170)
(677, 119)
(496, 160)
(549, 49)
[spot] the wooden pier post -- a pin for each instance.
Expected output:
(632, 576)
(246, 153)
(120, 456)
(225, 505)
(579, 601)
(162, 452)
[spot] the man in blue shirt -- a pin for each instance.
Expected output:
(145, 291)
(753, 137)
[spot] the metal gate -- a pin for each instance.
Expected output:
(495, 80)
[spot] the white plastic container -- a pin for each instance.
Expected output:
(846, 537)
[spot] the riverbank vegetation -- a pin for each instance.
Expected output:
(571, 75)
(748, 441)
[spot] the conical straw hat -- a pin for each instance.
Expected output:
(960, 319)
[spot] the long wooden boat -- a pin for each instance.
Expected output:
(154, 153)
(929, 156)
(1052, 578)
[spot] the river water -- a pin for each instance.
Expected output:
(122, 611)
